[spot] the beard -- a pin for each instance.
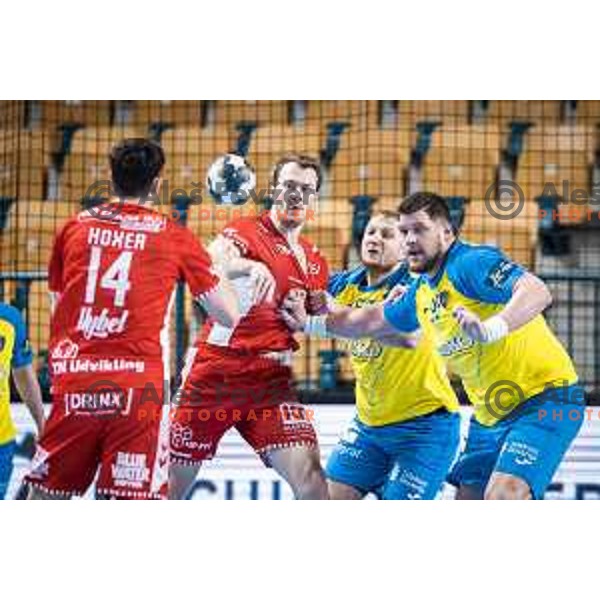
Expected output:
(285, 220)
(290, 222)
(429, 264)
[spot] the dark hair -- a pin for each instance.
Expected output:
(435, 206)
(135, 163)
(304, 161)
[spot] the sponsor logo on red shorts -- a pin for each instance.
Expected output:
(130, 470)
(100, 402)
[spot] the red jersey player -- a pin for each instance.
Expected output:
(113, 273)
(241, 376)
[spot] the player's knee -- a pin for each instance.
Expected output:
(469, 492)
(309, 479)
(181, 478)
(35, 493)
(310, 470)
(341, 491)
(507, 487)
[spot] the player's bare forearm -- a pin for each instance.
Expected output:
(356, 323)
(342, 321)
(530, 297)
(29, 389)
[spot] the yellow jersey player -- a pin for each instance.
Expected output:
(406, 432)
(484, 313)
(15, 355)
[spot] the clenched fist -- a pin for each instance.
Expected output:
(293, 310)
(318, 302)
(471, 324)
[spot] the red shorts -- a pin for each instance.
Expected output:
(122, 433)
(256, 396)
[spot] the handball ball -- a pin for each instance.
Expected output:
(230, 179)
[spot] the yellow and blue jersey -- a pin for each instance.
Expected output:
(14, 354)
(392, 384)
(481, 279)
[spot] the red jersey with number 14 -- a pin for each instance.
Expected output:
(116, 273)
(261, 328)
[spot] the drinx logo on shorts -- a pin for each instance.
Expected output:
(96, 403)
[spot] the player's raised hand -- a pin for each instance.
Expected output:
(471, 324)
(263, 283)
(293, 310)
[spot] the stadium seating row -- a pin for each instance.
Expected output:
(462, 160)
(182, 113)
(24, 159)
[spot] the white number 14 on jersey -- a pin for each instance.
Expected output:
(116, 277)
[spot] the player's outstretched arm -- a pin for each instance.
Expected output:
(29, 389)
(368, 322)
(529, 298)
(221, 304)
(341, 321)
